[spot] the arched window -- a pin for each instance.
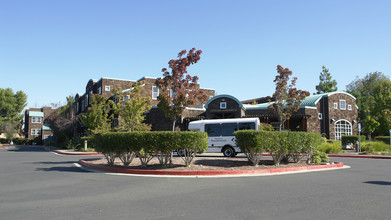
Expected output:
(342, 127)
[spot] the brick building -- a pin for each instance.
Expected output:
(35, 124)
(155, 117)
(331, 114)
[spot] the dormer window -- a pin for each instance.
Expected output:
(223, 105)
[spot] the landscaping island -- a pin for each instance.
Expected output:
(206, 166)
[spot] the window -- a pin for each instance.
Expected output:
(223, 105)
(107, 88)
(155, 92)
(86, 101)
(335, 105)
(246, 126)
(36, 120)
(342, 104)
(342, 127)
(228, 129)
(127, 97)
(77, 106)
(213, 130)
(35, 131)
(350, 107)
(100, 90)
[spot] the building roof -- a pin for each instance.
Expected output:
(46, 127)
(308, 102)
(35, 114)
(224, 96)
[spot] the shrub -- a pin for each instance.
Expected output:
(319, 157)
(297, 146)
(374, 146)
(330, 147)
(145, 145)
(192, 143)
(21, 141)
(252, 143)
(266, 127)
(50, 143)
(351, 139)
(385, 139)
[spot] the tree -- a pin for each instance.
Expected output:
(98, 117)
(326, 84)
(11, 105)
(373, 98)
(178, 89)
(62, 121)
(130, 108)
(287, 98)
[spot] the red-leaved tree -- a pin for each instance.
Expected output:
(287, 98)
(178, 89)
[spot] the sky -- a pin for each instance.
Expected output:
(51, 49)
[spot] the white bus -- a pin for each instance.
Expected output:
(220, 133)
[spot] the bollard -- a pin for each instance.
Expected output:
(85, 145)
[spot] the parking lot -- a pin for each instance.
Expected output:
(37, 184)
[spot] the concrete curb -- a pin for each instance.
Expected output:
(77, 153)
(212, 172)
(360, 156)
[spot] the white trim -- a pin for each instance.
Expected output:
(350, 107)
(335, 105)
(343, 131)
(156, 93)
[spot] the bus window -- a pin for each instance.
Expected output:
(228, 129)
(247, 126)
(213, 130)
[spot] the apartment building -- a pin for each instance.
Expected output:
(36, 126)
(155, 117)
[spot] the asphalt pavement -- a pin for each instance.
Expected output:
(38, 184)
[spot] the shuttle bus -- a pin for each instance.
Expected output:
(220, 133)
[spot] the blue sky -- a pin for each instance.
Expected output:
(50, 49)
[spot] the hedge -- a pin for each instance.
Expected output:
(385, 139)
(278, 143)
(351, 139)
(146, 144)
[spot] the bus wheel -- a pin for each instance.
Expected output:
(228, 151)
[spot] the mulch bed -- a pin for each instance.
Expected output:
(199, 163)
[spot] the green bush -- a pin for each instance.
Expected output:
(330, 147)
(319, 157)
(3, 141)
(374, 146)
(252, 143)
(21, 141)
(279, 144)
(146, 144)
(50, 143)
(351, 139)
(385, 139)
(266, 127)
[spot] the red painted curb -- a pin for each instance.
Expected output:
(3, 148)
(209, 172)
(76, 153)
(360, 156)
